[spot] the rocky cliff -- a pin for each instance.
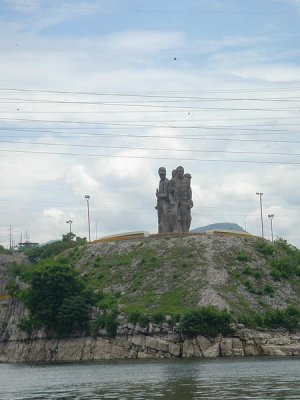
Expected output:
(133, 341)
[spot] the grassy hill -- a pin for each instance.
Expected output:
(176, 275)
(173, 275)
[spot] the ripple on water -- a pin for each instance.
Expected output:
(176, 380)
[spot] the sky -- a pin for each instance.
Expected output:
(96, 96)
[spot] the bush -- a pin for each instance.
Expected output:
(207, 321)
(53, 249)
(273, 319)
(265, 248)
(57, 298)
(3, 250)
(137, 317)
(269, 290)
(73, 315)
(13, 288)
(107, 321)
(241, 256)
(133, 317)
(252, 320)
(289, 318)
(158, 318)
(249, 286)
(285, 266)
(252, 272)
(143, 321)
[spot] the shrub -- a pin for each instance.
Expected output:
(241, 256)
(107, 321)
(249, 286)
(285, 266)
(3, 250)
(133, 317)
(264, 248)
(252, 320)
(143, 320)
(272, 319)
(57, 298)
(289, 318)
(208, 321)
(158, 318)
(252, 272)
(13, 288)
(269, 290)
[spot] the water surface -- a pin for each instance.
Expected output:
(255, 378)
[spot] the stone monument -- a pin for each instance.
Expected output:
(174, 201)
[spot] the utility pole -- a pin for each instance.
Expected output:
(10, 237)
(87, 197)
(271, 217)
(261, 212)
(70, 223)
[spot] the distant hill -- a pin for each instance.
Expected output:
(228, 226)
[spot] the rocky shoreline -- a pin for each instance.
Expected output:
(135, 342)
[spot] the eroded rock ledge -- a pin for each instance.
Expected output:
(135, 342)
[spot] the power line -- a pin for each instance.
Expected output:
(140, 105)
(142, 136)
(150, 157)
(133, 93)
(149, 148)
(122, 126)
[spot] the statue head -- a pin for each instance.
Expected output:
(189, 176)
(174, 174)
(162, 172)
(180, 171)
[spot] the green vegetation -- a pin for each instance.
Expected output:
(207, 321)
(56, 298)
(242, 256)
(53, 249)
(272, 319)
(264, 248)
(155, 284)
(3, 250)
(107, 321)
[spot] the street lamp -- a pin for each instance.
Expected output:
(271, 217)
(261, 213)
(87, 197)
(70, 223)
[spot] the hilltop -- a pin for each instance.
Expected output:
(173, 275)
(219, 226)
(176, 274)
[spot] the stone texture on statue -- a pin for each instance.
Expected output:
(189, 177)
(174, 201)
(163, 205)
(174, 223)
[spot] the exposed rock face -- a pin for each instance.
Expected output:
(157, 341)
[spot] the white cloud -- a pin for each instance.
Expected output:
(80, 181)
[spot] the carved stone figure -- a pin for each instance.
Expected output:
(182, 196)
(174, 222)
(189, 177)
(163, 204)
(174, 201)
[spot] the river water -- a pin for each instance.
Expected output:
(255, 378)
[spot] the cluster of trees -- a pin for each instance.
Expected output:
(56, 298)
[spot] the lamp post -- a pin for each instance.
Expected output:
(261, 213)
(70, 224)
(87, 197)
(271, 217)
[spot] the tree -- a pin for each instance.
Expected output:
(57, 298)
